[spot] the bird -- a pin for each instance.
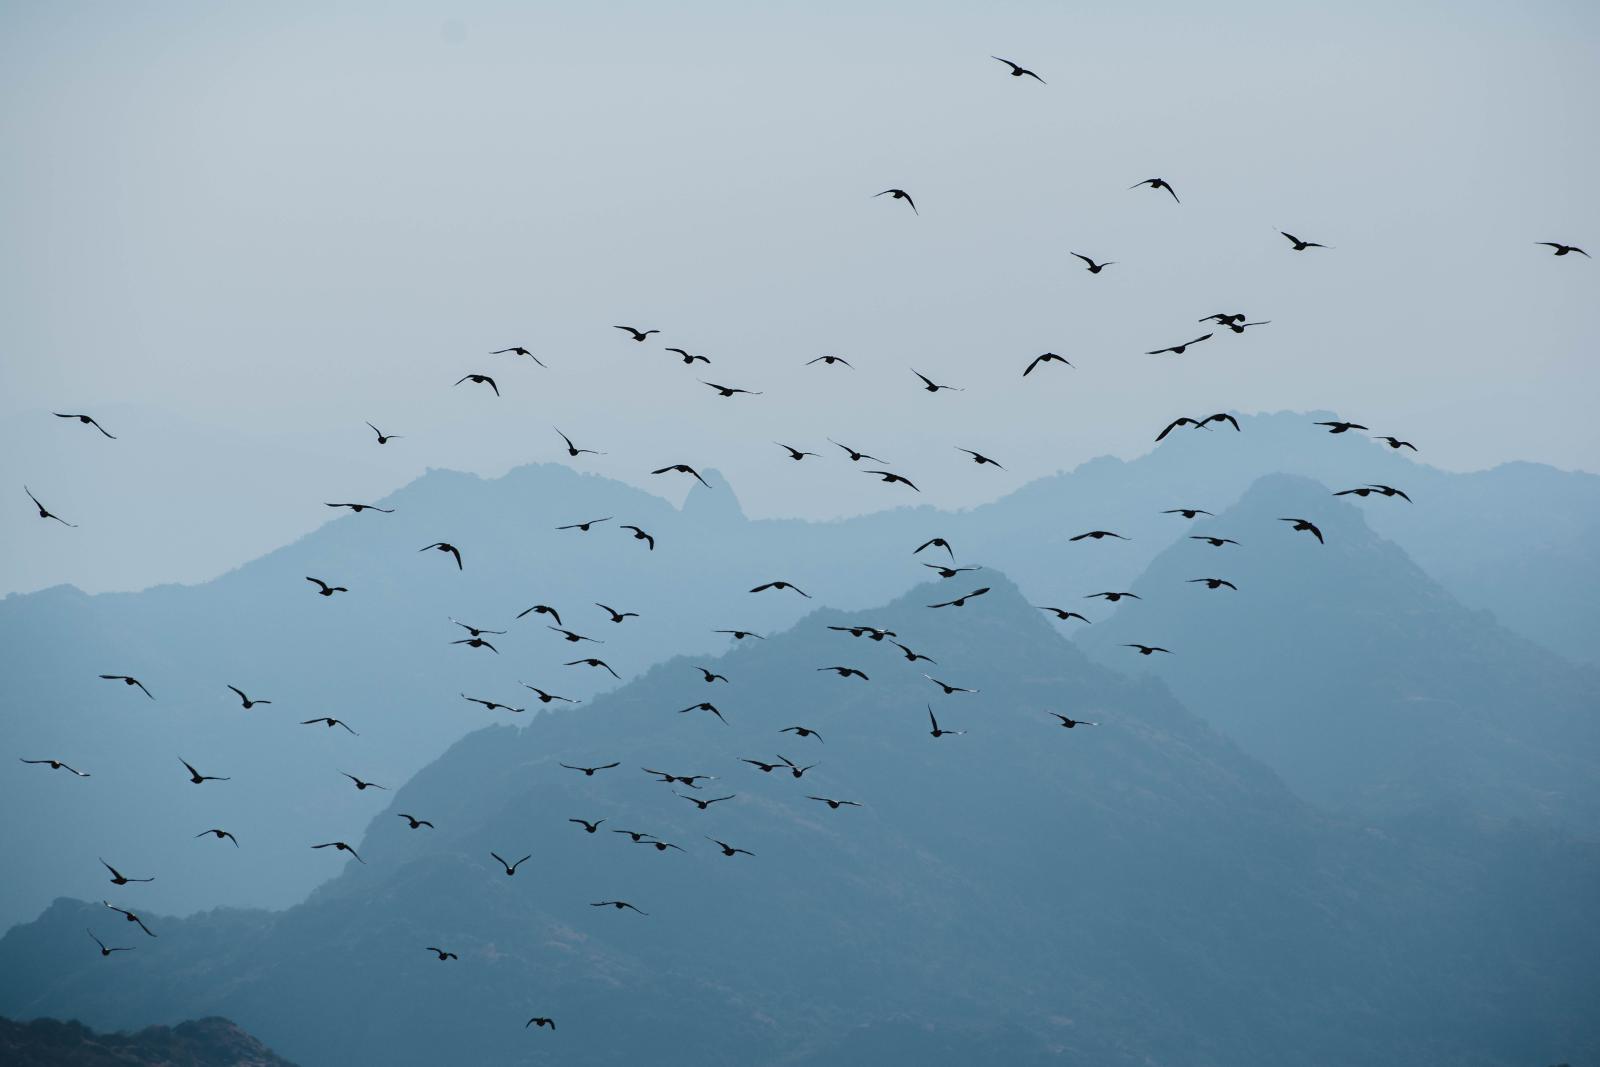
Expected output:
(616, 616)
(588, 772)
(682, 468)
(794, 768)
(104, 951)
(1062, 614)
(572, 637)
(1187, 513)
(892, 478)
(475, 631)
(492, 705)
(45, 513)
(1216, 583)
(1182, 420)
(573, 450)
(1069, 723)
(1045, 357)
(1221, 416)
(1341, 427)
(361, 784)
(979, 458)
(638, 335)
(87, 420)
(640, 535)
(540, 1021)
(686, 779)
(1310, 528)
(219, 835)
(855, 456)
(961, 601)
(593, 662)
(794, 453)
(476, 642)
(589, 827)
(1299, 245)
(949, 572)
(442, 954)
(1017, 72)
(1099, 535)
(931, 386)
(899, 194)
(740, 635)
(1112, 598)
(1178, 350)
(1223, 319)
(712, 676)
(517, 350)
(1562, 249)
(1157, 183)
(836, 804)
(801, 731)
(196, 777)
(938, 731)
(544, 697)
(935, 542)
(704, 804)
(636, 835)
(846, 672)
(728, 390)
(57, 765)
(413, 821)
(1145, 650)
(128, 915)
(660, 845)
(118, 878)
(1396, 443)
(1363, 491)
(949, 690)
(480, 379)
(126, 679)
(359, 508)
(912, 657)
(1389, 490)
(1214, 542)
(445, 546)
(511, 868)
(543, 609)
(781, 584)
(619, 905)
(340, 846)
(689, 359)
(1093, 267)
(584, 527)
(831, 360)
(383, 438)
(324, 589)
(246, 701)
(727, 849)
(765, 767)
(867, 631)
(704, 705)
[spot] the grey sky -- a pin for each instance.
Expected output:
(236, 233)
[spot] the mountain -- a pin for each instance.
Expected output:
(204, 1043)
(1140, 891)
(380, 656)
(1355, 675)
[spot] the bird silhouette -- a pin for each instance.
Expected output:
(324, 589)
(246, 701)
(801, 731)
(900, 194)
(1216, 583)
(619, 905)
(935, 542)
(383, 438)
(1178, 350)
(1389, 490)
(684, 779)
(740, 635)
(616, 616)
(795, 769)
(704, 804)
(836, 804)
(1341, 427)
(544, 697)
(892, 478)
(540, 1021)
(912, 657)
(1299, 245)
(636, 835)
(780, 584)
(129, 916)
(1214, 542)
(689, 359)
(961, 601)
(340, 846)
(794, 453)
(493, 705)
(126, 679)
(593, 662)
(704, 705)
(763, 766)
(1187, 513)
(1062, 614)
(1017, 72)
(1046, 357)
(931, 386)
(1221, 416)
(197, 778)
(589, 827)
(1224, 319)
(711, 676)
(937, 730)
(871, 632)
(583, 526)
(45, 513)
(855, 456)
(87, 420)
(1091, 265)
(638, 335)
(1099, 535)
(1562, 249)
(949, 690)
(846, 672)
(1145, 650)
(1182, 420)
(1239, 327)
(1396, 443)
(588, 772)
(640, 535)
(1158, 183)
(361, 784)
(481, 379)
(359, 508)
(728, 390)
(573, 450)
(57, 765)
(442, 954)
(1307, 527)
(543, 609)
(219, 835)
(829, 361)
(682, 468)
(1071, 723)
(475, 631)
(517, 350)
(476, 642)
(727, 849)
(979, 458)
(444, 546)
(950, 572)
(572, 637)
(1112, 598)
(104, 951)
(511, 868)
(660, 845)
(118, 878)
(413, 822)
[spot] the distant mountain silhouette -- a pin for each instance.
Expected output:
(206, 1043)
(1356, 677)
(1132, 893)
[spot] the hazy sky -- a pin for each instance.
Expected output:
(237, 232)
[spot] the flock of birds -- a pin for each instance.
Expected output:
(478, 637)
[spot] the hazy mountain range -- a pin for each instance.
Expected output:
(204, 1043)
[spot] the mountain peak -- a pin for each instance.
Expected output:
(714, 502)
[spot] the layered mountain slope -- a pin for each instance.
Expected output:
(1134, 892)
(204, 1043)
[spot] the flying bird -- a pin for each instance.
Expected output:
(704, 705)
(1389, 490)
(961, 601)
(445, 546)
(541, 1021)
(340, 846)
(128, 915)
(794, 768)
(899, 194)
(1341, 427)
(1216, 583)
(492, 705)
(1182, 420)
(1069, 723)
(780, 584)
(727, 849)
(324, 589)
(682, 468)
(1017, 72)
(219, 835)
(712, 676)
(413, 822)
(128, 680)
(937, 731)
(689, 359)
(361, 784)
(740, 635)
(1145, 650)
(1112, 598)
(912, 657)
(1221, 416)
(1562, 249)
(572, 637)
(686, 779)
(475, 631)
(868, 631)
(383, 438)
(1302, 524)
(979, 458)
(855, 456)
(359, 508)
(246, 701)
(1062, 614)
(104, 951)
(1214, 542)
(794, 453)
(480, 379)
(728, 390)
(616, 616)
(931, 386)
(87, 420)
(442, 954)
(640, 535)
(543, 609)
(1396, 443)
(573, 450)
(1178, 350)
(1093, 267)
(1239, 327)
(588, 827)
(1157, 183)
(197, 778)
(950, 572)
(476, 642)
(638, 335)
(935, 542)
(511, 868)
(118, 878)
(1046, 357)
(831, 360)
(891, 478)
(584, 527)
(57, 765)
(801, 731)
(45, 513)
(846, 672)
(949, 690)
(588, 772)
(704, 804)
(836, 804)
(593, 662)
(517, 350)
(1187, 513)
(1299, 245)
(1099, 535)
(1223, 319)
(619, 905)
(545, 698)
